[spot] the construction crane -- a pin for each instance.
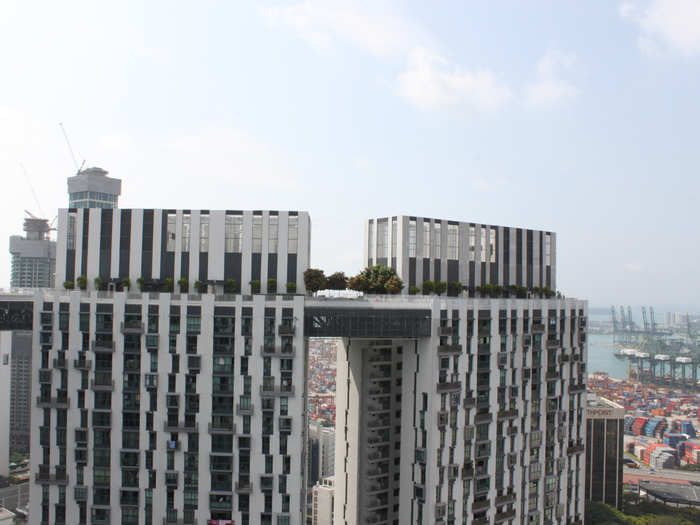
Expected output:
(31, 188)
(70, 150)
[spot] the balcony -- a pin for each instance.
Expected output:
(506, 515)
(102, 346)
(244, 410)
(553, 343)
(182, 426)
(445, 331)
(243, 487)
(45, 376)
(469, 399)
(59, 362)
(102, 385)
(481, 505)
(276, 390)
(172, 479)
(505, 498)
(285, 329)
(52, 402)
(553, 375)
(44, 476)
(454, 386)
(507, 414)
(82, 364)
(537, 328)
(467, 473)
(284, 351)
(576, 449)
(481, 521)
(574, 387)
(449, 349)
(483, 418)
(132, 327)
(222, 428)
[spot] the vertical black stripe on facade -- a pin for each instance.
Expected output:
(493, 270)
(232, 267)
(541, 276)
(292, 268)
(482, 279)
(548, 277)
(393, 263)
(124, 243)
(272, 269)
(472, 271)
(382, 260)
(519, 257)
(452, 271)
(185, 265)
(426, 270)
(411, 271)
(106, 244)
(167, 259)
(436, 270)
(255, 266)
(70, 266)
(203, 266)
(147, 246)
(506, 256)
(530, 255)
(84, 251)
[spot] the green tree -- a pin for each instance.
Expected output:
(336, 281)
(374, 279)
(254, 286)
(413, 290)
(184, 285)
(68, 285)
(428, 287)
(454, 288)
(200, 286)
(126, 283)
(98, 283)
(314, 280)
(291, 287)
(271, 285)
(82, 282)
(440, 287)
(141, 283)
(168, 285)
(231, 286)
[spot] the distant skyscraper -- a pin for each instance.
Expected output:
(20, 391)
(91, 188)
(323, 492)
(5, 351)
(604, 451)
(33, 257)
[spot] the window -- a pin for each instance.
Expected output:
(293, 234)
(71, 231)
(394, 240)
(232, 234)
(492, 245)
(452, 241)
(412, 238)
(438, 238)
(370, 240)
(170, 232)
(547, 249)
(186, 232)
(426, 239)
(272, 234)
(382, 239)
(483, 245)
(472, 242)
(204, 233)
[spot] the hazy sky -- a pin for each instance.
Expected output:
(577, 117)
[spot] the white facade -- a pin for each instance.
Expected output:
(5, 392)
(196, 245)
(460, 441)
(323, 494)
(472, 254)
(326, 454)
(202, 402)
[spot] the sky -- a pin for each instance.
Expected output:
(576, 117)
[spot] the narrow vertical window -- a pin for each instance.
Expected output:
(257, 234)
(438, 238)
(412, 238)
(483, 244)
(472, 243)
(170, 232)
(186, 232)
(71, 231)
(452, 241)
(382, 239)
(272, 234)
(370, 241)
(232, 234)
(394, 240)
(492, 244)
(426, 239)
(293, 234)
(204, 233)
(547, 249)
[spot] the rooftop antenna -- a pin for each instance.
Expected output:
(70, 149)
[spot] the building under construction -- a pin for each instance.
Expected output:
(655, 354)
(33, 256)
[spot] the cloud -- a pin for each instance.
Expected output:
(632, 267)
(424, 78)
(551, 89)
(430, 81)
(666, 26)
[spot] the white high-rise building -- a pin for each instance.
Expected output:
(5, 395)
(92, 188)
(322, 506)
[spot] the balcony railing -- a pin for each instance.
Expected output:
(52, 402)
(82, 364)
(132, 327)
(222, 428)
(285, 329)
(449, 387)
(276, 390)
(449, 349)
(286, 351)
(181, 426)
